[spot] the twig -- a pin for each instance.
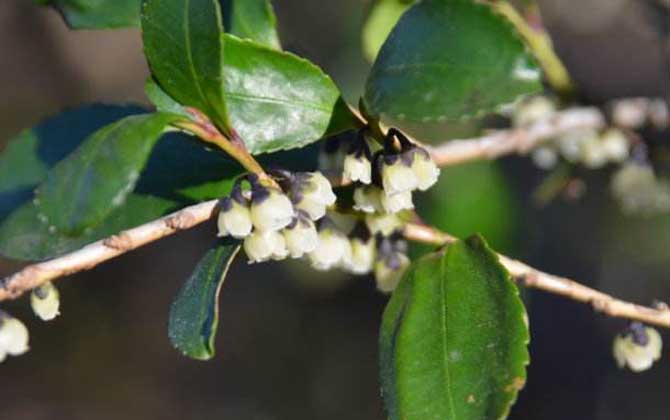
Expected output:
(517, 141)
(98, 252)
(531, 277)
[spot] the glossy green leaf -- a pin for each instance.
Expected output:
(89, 184)
(251, 19)
(185, 50)
(447, 60)
(97, 14)
(278, 101)
(194, 315)
(162, 101)
(383, 16)
(453, 342)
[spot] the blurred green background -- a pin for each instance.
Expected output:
(297, 344)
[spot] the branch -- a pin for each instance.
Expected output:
(519, 140)
(98, 252)
(531, 277)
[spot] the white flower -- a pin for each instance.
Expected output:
(301, 237)
(368, 199)
(314, 194)
(357, 167)
(389, 271)
(13, 336)
(234, 218)
(383, 223)
(397, 202)
(638, 348)
(545, 157)
(271, 210)
(261, 246)
(45, 301)
(533, 110)
(615, 145)
(425, 169)
(362, 256)
(571, 144)
(333, 249)
(593, 154)
(398, 175)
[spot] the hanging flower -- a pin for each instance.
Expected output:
(313, 193)
(425, 169)
(45, 301)
(397, 173)
(301, 236)
(368, 199)
(385, 224)
(397, 202)
(263, 245)
(638, 347)
(234, 217)
(13, 336)
(271, 209)
(333, 249)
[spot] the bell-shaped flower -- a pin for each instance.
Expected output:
(389, 270)
(13, 336)
(357, 167)
(333, 249)
(362, 256)
(45, 301)
(637, 348)
(313, 194)
(397, 202)
(234, 218)
(263, 245)
(545, 157)
(424, 168)
(301, 237)
(615, 145)
(397, 173)
(533, 110)
(385, 224)
(367, 199)
(271, 209)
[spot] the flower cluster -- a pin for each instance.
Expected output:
(13, 336)
(638, 189)
(638, 347)
(589, 147)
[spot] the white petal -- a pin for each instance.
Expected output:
(272, 213)
(45, 301)
(615, 145)
(236, 221)
(301, 239)
(330, 251)
(312, 207)
(13, 337)
(362, 256)
(368, 199)
(397, 202)
(426, 171)
(259, 246)
(545, 157)
(398, 178)
(357, 169)
(383, 223)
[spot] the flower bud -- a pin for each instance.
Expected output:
(615, 145)
(362, 256)
(261, 246)
(425, 169)
(45, 301)
(234, 218)
(368, 199)
(533, 110)
(313, 194)
(13, 336)
(545, 157)
(385, 224)
(389, 271)
(357, 167)
(397, 202)
(571, 144)
(638, 347)
(333, 249)
(301, 237)
(397, 173)
(593, 155)
(271, 210)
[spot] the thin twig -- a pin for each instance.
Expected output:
(98, 252)
(531, 277)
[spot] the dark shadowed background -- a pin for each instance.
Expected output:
(297, 344)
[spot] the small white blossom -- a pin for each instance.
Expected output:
(314, 194)
(383, 223)
(301, 237)
(545, 157)
(362, 256)
(332, 251)
(615, 145)
(271, 210)
(13, 336)
(357, 167)
(261, 246)
(234, 219)
(571, 144)
(593, 154)
(45, 301)
(368, 199)
(638, 348)
(397, 202)
(425, 169)
(389, 271)
(397, 174)
(533, 110)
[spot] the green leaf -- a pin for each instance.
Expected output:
(97, 14)
(251, 19)
(447, 60)
(162, 101)
(194, 315)
(383, 16)
(185, 50)
(84, 188)
(453, 342)
(278, 101)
